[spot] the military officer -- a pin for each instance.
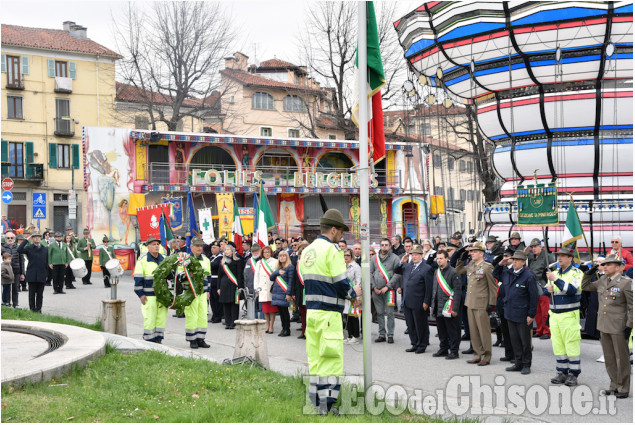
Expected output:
(480, 301)
(615, 322)
(85, 247)
(59, 258)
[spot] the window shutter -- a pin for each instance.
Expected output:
(52, 155)
(72, 70)
(51, 66)
(25, 65)
(76, 157)
(4, 63)
(28, 147)
(5, 157)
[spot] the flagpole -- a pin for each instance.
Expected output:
(364, 191)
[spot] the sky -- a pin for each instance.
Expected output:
(268, 28)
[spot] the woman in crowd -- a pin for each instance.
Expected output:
(230, 279)
(354, 274)
(263, 285)
(69, 277)
(427, 250)
(281, 293)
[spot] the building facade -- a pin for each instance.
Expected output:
(53, 82)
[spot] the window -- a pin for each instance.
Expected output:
(438, 190)
(462, 166)
(470, 195)
(266, 132)
(16, 159)
(462, 194)
(332, 136)
(232, 99)
(62, 108)
(450, 163)
(470, 167)
(293, 132)
(63, 156)
(437, 160)
(292, 103)
(13, 72)
(61, 69)
(60, 197)
(262, 100)
(451, 194)
(14, 107)
(425, 128)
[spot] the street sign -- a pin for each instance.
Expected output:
(7, 184)
(72, 214)
(39, 212)
(39, 199)
(7, 197)
(72, 200)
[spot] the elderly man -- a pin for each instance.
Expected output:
(37, 269)
(397, 248)
(154, 313)
(384, 279)
(620, 252)
(615, 322)
(538, 263)
(10, 292)
(520, 300)
(480, 301)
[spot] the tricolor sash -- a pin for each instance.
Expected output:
(302, 282)
(447, 308)
(283, 284)
(252, 264)
(231, 277)
(267, 267)
(382, 269)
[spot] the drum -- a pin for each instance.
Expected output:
(114, 268)
(78, 266)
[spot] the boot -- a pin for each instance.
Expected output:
(201, 343)
(560, 378)
(571, 380)
(193, 345)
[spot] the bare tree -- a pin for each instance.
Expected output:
(172, 54)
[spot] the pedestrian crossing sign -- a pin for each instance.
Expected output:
(39, 212)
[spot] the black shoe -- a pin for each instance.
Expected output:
(607, 392)
(390, 340)
(513, 368)
(71, 287)
(452, 356)
(227, 327)
(407, 331)
(506, 359)
(411, 349)
(107, 286)
(61, 292)
(560, 378)
(193, 345)
(536, 336)
(285, 333)
(180, 316)
(420, 351)
(440, 354)
(380, 339)
(526, 370)
(299, 329)
(621, 395)
(498, 343)
(468, 351)
(465, 337)
(302, 337)
(234, 327)
(571, 381)
(545, 336)
(201, 343)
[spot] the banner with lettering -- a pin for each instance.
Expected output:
(537, 205)
(225, 205)
(148, 218)
(176, 218)
(206, 225)
(353, 213)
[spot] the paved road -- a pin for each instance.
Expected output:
(391, 364)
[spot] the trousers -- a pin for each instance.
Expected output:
(542, 312)
(418, 329)
(480, 334)
(565, 340)
(196, 318)
(385, 315)
(155, 315)
(449, 333)
(520, 340)
(285, 318)
(89, 267)
(58, 277)
(616, 361)
(36, 296)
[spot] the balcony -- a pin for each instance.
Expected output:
(64, 127)
(455, 204)
(15, 84)
(63, 85)
(24, 172)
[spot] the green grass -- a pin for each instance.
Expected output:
(9, 313)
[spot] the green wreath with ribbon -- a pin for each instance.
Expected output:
(193, 287)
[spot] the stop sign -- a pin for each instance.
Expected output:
(7, 184)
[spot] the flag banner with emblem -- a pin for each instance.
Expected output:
(237, 231)
(265, 218)
(207, 226)
(537, 205)
(165, 231)
(572, 228)
(225, 207)
(176, 216)
(192, 226)
(375, 82)
(148, 218)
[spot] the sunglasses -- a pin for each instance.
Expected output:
(385, 244)
(347, 255)
(615, 241)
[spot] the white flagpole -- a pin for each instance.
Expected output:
(364, 192)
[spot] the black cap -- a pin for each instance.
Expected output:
(215, 243)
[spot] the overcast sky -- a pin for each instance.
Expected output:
(267, 27)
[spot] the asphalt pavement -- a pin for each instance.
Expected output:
(465, 387)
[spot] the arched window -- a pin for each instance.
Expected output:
(213, 157)
(334, 162)
(292, 103)
(262, 100)
(277, 166)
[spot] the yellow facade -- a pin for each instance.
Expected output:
(47, 125)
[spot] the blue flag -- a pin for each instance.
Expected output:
(255, 233)
(192, 227)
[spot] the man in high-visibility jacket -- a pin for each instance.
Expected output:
(323, 270)
(196, 313)
(564, 287)
(154, 313)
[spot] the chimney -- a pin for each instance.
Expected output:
(66, 25)
(230, 62)
(74, 29)
(241, 61)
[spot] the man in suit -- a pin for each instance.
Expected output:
(357, 252)
(36, 270)
(615, 322)
(417, 284)
(446, 286)
(85, 247)
(480, 301)
(59, 258)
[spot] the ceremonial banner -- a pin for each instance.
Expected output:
(136, 200)
(383, 209)
(207, 227)
(176, 218)
(149, 220)
(354, 213)
(537, 205)
(225, 204)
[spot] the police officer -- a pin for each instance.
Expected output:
(326, 287)
(214, 302)
(480, 301)
(615, 322)
(564, 289)
(196, 313)
(154, 313)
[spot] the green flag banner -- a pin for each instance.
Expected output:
(537, 205)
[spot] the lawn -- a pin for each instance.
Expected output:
(9, 313)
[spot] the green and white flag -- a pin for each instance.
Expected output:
(206, 226)
(573, 228)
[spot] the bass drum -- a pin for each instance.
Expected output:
(78, 266)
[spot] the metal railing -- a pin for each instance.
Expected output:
(161, 173)
(455, 204)
(15, 84)
(64, 127)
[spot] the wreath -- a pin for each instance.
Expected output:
(192, 285)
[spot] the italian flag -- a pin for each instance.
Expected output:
(572, 229)
(237, 230)
(265, 219)
(375, 82)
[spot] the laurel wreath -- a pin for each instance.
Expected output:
(167, 270)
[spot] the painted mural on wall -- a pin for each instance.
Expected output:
(109, 163)
(401, 206)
